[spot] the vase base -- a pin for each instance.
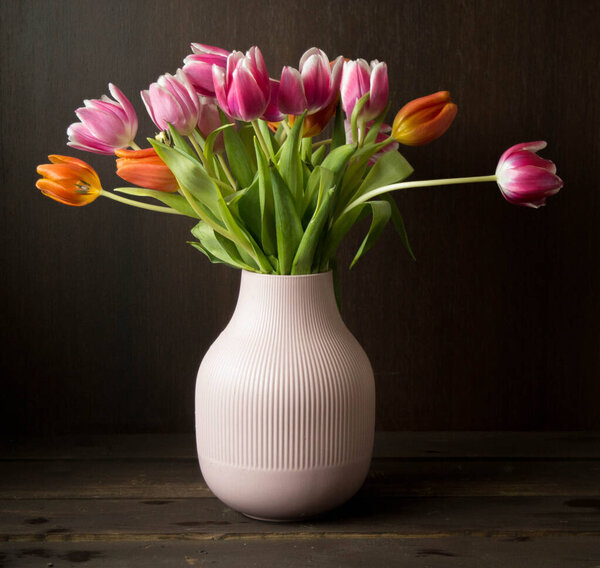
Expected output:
(267, 520)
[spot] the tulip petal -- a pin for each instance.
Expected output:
(201, 48)
(132, 120)
(249, 98)
(291, 98)
(82, 139)
(218, 74)
(316, 81)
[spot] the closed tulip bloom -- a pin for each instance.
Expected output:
(106, 124)
(69, 181)
(172, 100)
(360, 78)
(526, 179)
(425, 119)
(144, 168)
(242, 88)
(273, 114)
(198, 67)
(313, 86)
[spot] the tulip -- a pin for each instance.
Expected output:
(315, 123)
(360, 78)
(425, 119)
(105, 124)
(145, 169)
(243, 89)
(273, 114)
(209, 120)
(313, 86)
(526, 179)
(198, 67)
(69, 181)
(383, 134)
(172, 100)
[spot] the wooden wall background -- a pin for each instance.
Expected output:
(106, 312)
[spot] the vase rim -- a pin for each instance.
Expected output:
(284, 276)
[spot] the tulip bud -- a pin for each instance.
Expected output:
(360, 78)
(105, 124)
(198, 67)
(69, 181)
(526, 179)
(172, 100)
(145, 169)
(425, 119)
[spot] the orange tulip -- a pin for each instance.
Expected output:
(145, 169)
(424, 119)
(69, 181)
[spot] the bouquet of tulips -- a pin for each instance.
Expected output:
(237, 153)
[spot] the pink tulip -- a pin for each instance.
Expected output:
(313, 86)
(242, 87)
(198, 67)
(383, 134)
(360, 78)
(526, 179)
(105, 124)
(172, 100)
(209, 120)
(273, 114)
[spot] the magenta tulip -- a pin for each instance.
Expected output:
(313, 86)
(242, 87)
(273, 114)
(360, 78)
(105, 124)
(172, 100)
(198, 67)
(526, 179)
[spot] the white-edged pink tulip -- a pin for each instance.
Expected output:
(524, 177)
(242, 87)
(360, 78)
(198, 67)
(173, 100)
(105, 125)
(312, 86)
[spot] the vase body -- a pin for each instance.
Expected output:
(285, 402)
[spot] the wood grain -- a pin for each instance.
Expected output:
(106, 311)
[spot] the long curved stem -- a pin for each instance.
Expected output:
(139, 204)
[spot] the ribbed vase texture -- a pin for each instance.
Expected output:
(285, 402)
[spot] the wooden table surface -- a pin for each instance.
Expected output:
(431, 500)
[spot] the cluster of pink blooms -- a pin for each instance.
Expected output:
(213, 78)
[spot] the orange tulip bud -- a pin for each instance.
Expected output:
(145, 169)
(425, 119)
(69, 181)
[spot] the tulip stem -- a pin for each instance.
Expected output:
(139, 204)
(134, 145)
(408, 184)
(261, 141)
(227, 171)
(201, 156)
(321, 143)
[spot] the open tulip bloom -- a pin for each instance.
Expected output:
(236, 154)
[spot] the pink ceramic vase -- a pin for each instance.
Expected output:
(285, 402)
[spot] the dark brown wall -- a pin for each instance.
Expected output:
(107, 312)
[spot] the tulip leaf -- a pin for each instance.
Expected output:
(248, 207)
(268, 237)
(318, 155)
(237, 156)
(288, 226)
(337, 160)
(339, 129)
(320, 178)
(338, 231)
(381, 211)
(268, 137)
(218, 247)
(211, 139)
(247, 135)
(173, 200)
(304, 258)
(371, 136)
(392, 167)
(398, 223)
(191, 176)
(180, 142)
(290, 166)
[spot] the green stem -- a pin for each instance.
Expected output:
(227, 171)
(201, 156)
(261, 140)
(134, 146)
(321, 143)
(409, 184)
(139, 204)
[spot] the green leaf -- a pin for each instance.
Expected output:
(381, 212)
(337, 160)
(304, 258)
(398, 223)
(268, 238)
(318, 155)
(173, 200)
(219, 247)
(288, 226)
(338, 231)
(371, 136)
(392, 167)
(272, 144)
(290, 166)
(321, 178)
(181, 143)
(339, 129)
(240, 163)
(247, 135)
(248, 207)
(211, 138)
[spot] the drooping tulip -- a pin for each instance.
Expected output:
(198, 67)
(242, 88)
(145, 169)
(172, 100)
(360, 78)
(383, 134)
(69, 181)
(106, 124)
(424, 119)
(524, 177)
(313, 86)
